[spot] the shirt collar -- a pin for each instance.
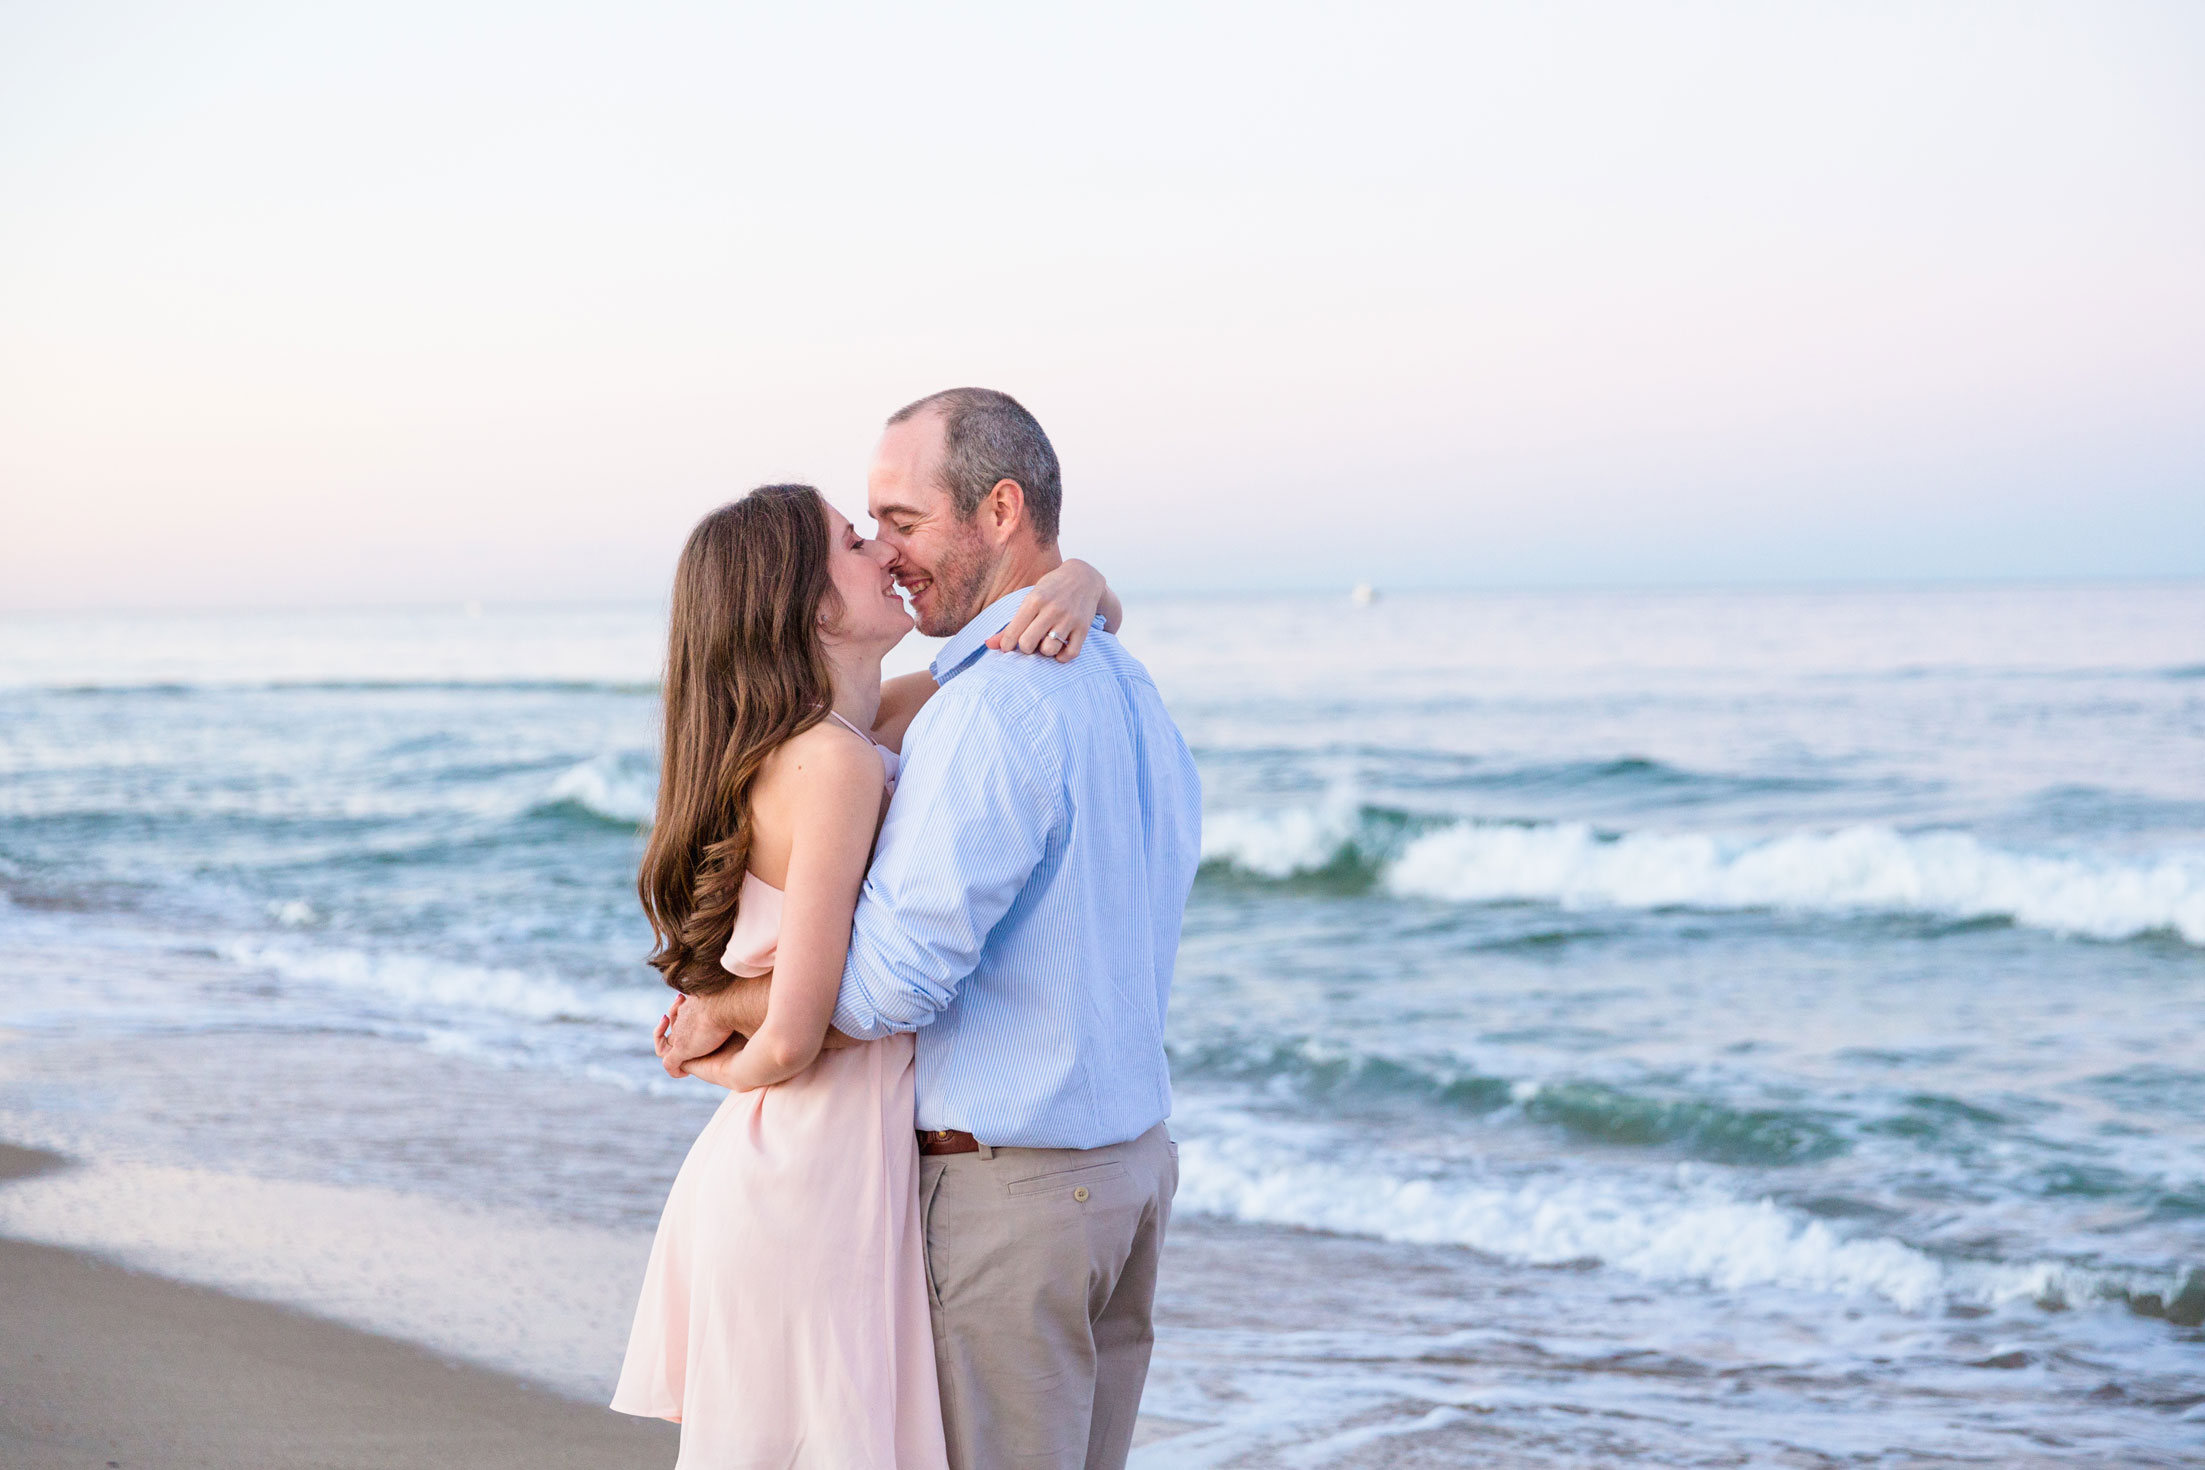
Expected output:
(967, 641)
(965, 645)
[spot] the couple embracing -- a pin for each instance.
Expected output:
(923, 932)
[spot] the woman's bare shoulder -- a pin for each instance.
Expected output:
(824, 757)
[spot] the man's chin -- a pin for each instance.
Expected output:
(932, 611)
(946, 604)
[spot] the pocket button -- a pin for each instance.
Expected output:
(1080, 1194)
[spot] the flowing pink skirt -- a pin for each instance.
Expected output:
(784, 1314)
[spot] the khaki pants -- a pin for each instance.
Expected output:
(1041, 1268)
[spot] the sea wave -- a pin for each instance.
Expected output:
(619, 787)
(1864, 869)
(445, 986)
(1339, 837)
(1858, 870)
(1706, 1128)
(1672, 1230)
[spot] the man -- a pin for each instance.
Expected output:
(1022, 915)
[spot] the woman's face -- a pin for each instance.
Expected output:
(872, 610)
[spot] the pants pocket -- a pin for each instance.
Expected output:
(1067, 1180)
(930, 1191)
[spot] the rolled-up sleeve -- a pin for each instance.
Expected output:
(975, 804)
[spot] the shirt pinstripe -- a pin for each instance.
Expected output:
(1023, 908)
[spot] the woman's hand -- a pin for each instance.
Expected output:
(1054, 619)
(717, 1068)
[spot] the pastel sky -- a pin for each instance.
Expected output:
(394, 302)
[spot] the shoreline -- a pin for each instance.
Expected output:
(108, 1366)
(111, 1364)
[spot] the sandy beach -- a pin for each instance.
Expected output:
(106, 1367)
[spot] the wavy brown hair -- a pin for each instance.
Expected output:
(744, 672)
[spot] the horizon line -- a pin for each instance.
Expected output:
(1343, 590)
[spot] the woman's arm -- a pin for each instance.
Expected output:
(1065, 601)
(696, 1026)
(834, 795)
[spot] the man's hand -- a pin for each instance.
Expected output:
(687, 1032)
(701, 1026)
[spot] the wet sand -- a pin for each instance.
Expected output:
(105, 1367)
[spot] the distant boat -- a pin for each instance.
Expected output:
(1364, 594)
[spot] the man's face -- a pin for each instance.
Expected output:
(942, 562)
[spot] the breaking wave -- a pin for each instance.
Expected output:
(1667, 1231)
(1593, 1112)
(620, 788)
(1859, 870)
(444, 986)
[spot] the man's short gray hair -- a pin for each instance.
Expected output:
(988, 436)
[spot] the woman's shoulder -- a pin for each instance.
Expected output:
(824, 756)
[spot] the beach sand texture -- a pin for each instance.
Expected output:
(105, 1367)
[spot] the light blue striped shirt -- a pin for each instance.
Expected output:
(1023, 909)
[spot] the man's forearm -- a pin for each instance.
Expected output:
(741, 1007)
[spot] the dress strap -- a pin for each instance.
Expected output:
(854, 730)
(890, 762)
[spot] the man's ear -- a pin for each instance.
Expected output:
(1004, 509)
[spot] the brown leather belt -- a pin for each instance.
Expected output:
(947, 1141)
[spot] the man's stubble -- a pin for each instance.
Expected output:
(960, 580)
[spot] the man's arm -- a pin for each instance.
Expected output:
(700, 1025)
(974, 810)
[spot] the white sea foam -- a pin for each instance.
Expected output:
(1673, 1229)
(294, 913)
(622, 787)
(1279, 844)
(1863, 869)
(420, 981)
(1853, 870)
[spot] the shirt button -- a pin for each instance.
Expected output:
(1080, 1194)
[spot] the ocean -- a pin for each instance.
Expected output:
(1694, 1028)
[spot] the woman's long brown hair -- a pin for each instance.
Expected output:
(744, 672)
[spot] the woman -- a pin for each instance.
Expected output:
(784, 1312)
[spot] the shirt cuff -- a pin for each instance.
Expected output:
(855, 1014)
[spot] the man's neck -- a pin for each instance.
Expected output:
(1022, 567)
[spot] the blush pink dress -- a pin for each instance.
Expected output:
(784, 1315)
